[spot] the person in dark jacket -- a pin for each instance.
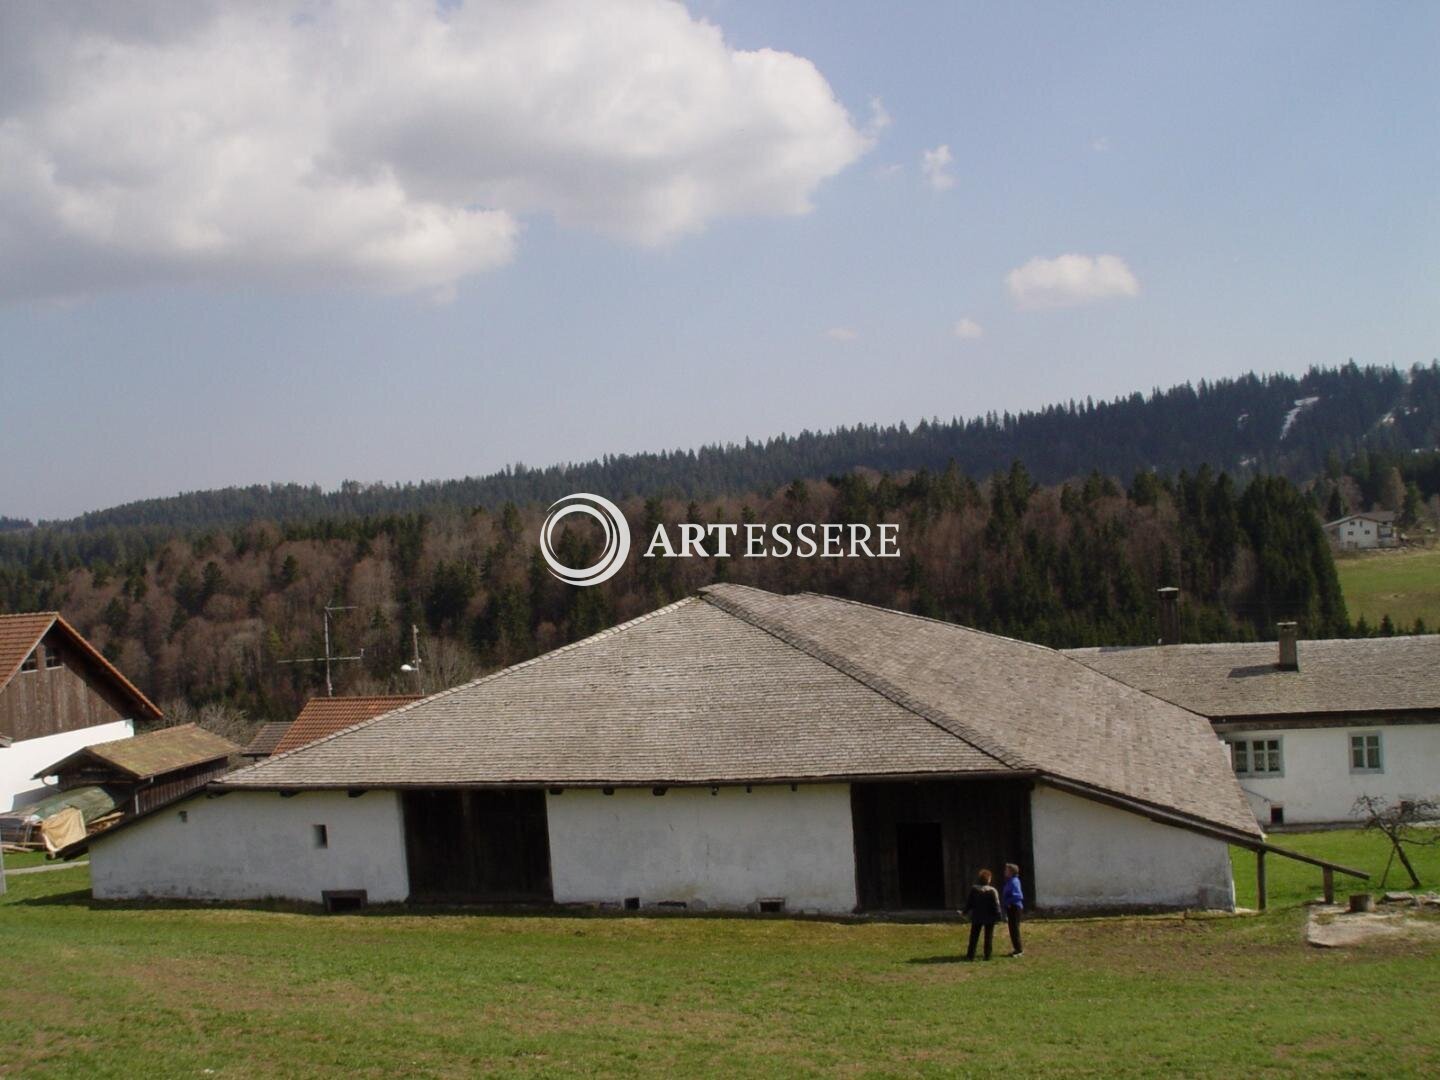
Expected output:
(1012, 899)
(983, 907)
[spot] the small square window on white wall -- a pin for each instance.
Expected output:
(1365, 755)
(322, 836)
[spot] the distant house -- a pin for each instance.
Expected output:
(266, 739)
(1310, 726)
(323, 716)
(735, 750)
(57, 694)
(1358, 532)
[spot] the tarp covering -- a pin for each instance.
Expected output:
(63, 829)
(92, 802)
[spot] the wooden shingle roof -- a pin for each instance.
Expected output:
(1232, 680)
(19, 634)
(151, 754)
(323, 716)
(267, 738)
(737, 685)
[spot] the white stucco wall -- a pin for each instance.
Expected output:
(1317, 784)
(724, 851)
(1089, 855)
(254, 845)
(22, 760)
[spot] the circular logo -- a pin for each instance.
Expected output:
(617, 538)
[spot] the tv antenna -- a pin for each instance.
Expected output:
(329, 686)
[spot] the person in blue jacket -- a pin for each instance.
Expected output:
(1012, 898)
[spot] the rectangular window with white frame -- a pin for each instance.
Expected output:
(1257, 757)
(1365, 756)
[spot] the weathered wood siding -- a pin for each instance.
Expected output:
(170, 786)
(470, 845)
(968, 824)
(51, 700)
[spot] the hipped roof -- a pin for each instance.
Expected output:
(19, 634)
(1357, 675)
(156, 752)
(738, 685)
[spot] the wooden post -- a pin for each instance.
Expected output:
(1329, 885)
(1260, 879)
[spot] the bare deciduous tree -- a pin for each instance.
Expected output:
(1410, 821)
(215, 716)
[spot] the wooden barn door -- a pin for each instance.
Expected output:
(918, 846)
(477, 846)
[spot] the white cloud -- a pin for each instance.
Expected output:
(387, 145)
(1071, 280)
(880, 119)
(969, 330)
(1101, 144)
(841, 333)
(935, 167)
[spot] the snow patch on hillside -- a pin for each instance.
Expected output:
(1301, 404)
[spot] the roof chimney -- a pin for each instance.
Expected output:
(1169, 615)
(1289, 653)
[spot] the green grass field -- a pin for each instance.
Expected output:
(1403, 584)
(115, 991)
(1289, 883)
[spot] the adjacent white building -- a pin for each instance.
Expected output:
(1310, 728)
(737, 751)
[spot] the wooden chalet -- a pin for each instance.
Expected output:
(57, 694)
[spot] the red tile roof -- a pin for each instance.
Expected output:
(19, 634)
(327, 715)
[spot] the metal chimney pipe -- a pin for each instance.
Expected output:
(1169, 615)
(1289, 650)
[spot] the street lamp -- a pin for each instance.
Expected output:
(414, 665)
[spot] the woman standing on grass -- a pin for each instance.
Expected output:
(1013, 901)
(983, 907)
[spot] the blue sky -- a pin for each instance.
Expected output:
(1260, 177)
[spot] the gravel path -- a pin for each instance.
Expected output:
(45, 869)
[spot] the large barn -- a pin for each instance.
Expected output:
(736, 750)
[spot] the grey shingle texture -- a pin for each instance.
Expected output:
(1359, 675)
(739, 685)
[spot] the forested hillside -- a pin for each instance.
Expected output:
(209, 617)
(1278, 424)
(201, 599)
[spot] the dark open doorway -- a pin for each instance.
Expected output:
(920, 859)
(477, 846)
(919, 846)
